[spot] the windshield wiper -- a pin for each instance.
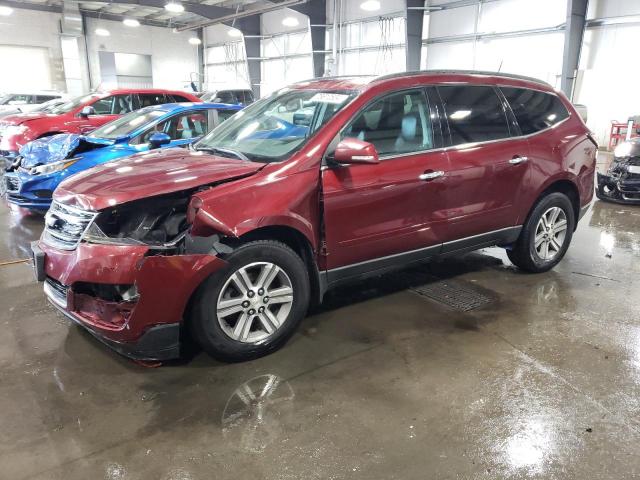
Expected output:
(225, 152)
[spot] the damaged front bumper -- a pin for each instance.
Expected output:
(619, 188)
(144, 322)
(30, 191)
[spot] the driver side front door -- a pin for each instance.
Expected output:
(377, 213)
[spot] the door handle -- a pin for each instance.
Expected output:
(517, 160)
(426, 176)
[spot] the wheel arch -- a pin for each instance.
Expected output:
(299, 243)
(561, 185)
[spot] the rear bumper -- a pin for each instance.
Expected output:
(145, 327)
(625, 191)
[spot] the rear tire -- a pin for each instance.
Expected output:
(254, 305)
(546, 235)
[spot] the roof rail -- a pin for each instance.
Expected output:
(463, 72)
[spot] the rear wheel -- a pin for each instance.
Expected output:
(546, 236)
(254, 305)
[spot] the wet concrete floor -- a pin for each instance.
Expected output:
(381, 383)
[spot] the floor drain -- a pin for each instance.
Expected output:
(453, 294)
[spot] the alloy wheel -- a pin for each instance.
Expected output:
(254, 302)
(550, 233)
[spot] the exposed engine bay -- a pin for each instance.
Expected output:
(159, 222)
(621, 183)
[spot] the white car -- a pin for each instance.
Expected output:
(12, 103)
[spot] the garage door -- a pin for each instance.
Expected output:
(30, 68)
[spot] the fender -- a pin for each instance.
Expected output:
(224, 209)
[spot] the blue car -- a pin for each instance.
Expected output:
(44, 163)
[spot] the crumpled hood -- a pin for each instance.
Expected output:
(148, 174)
(55, 148)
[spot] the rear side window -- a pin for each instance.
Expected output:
(534, 110)
(150, 99)
(179, 98)
(474, 113)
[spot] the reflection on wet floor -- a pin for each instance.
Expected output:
(380, 382)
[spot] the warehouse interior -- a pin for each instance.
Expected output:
(527, 376)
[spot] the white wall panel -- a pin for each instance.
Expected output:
(543, 58)
(37, 61)
(456, 21)
(174, 60)
(512, 15)
(608, 82)
(455, 55)
(612, 8)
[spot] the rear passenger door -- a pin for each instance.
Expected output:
(488, 163)
(377, 210)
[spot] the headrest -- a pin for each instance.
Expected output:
(409, 126)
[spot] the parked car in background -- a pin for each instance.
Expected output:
(44, 163)
(12, 103)
(232, 240)
(238, 96)
(621, 182)
(80, 115)
(44, 107)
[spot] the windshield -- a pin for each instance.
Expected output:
(4, 99)
(271, 129)
(127, 124)
(49, 106)
(73, 104)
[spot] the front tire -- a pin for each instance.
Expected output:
(252, 306)
(546, 235)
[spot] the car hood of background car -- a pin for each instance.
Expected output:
(149, 174)
(20, 118)
(57, 147)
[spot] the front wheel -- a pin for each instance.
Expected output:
(546, 235)
(253, 306)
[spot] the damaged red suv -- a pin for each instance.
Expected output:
(324, 182)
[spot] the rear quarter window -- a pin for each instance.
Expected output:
(534, 110)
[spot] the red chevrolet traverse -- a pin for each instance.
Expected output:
(323, 182)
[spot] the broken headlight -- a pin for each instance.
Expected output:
(158, 222)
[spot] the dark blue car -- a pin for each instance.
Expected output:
(44, 163)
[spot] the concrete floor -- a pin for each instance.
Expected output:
(382, 383)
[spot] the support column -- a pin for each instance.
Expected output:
(316, 10)
(250, 28)
(414, 13)
(573, 36)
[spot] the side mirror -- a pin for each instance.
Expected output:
(86, 111)
(159, 139)
(354, 151)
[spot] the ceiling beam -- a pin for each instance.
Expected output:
(206, 11)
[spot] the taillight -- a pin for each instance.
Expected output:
(192, 209)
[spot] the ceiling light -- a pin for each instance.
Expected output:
(131, 22)
(290, 22)
(234, 32)
(102, 32)
(370, 5)
(195, 41)
(174, 7)
(5, 11)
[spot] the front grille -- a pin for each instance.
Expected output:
(56, 291)
(12, 183)
(65, 225)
